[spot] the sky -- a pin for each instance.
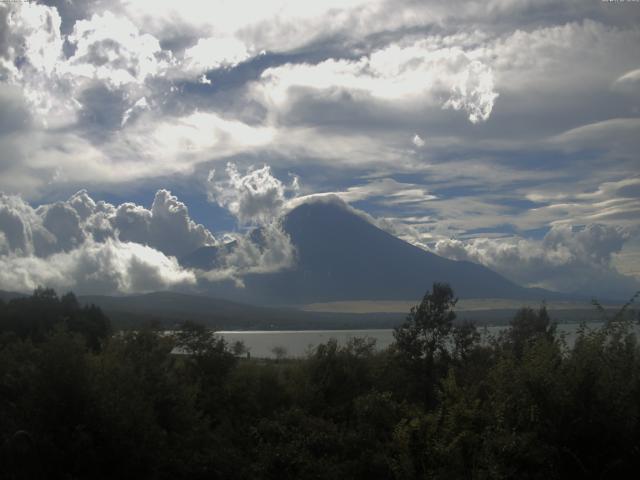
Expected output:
(498, 131)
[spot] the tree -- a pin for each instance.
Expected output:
(423, 338)
(338, 374)
(239, 348)
(89, 320)
(528, 326)
(208, 363)
(279, 351)
(424, 333)
(465, 337)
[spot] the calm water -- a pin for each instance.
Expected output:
(299, 343)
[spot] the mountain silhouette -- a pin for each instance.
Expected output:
(341, 256)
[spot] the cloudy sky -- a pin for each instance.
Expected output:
(498, 131)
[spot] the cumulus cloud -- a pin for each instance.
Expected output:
(23, 227)
(96, 246)
(265, 250)
(62, 226)
(256, 199)
(108, 267)
(99, 247)
(62, 220)
(577, 260)
(173, 231)
(166, 227)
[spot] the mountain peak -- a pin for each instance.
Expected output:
(341, 256)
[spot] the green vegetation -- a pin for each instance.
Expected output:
(77, 401)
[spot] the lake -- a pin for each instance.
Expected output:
(298, 343)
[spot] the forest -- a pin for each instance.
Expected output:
(81, 400)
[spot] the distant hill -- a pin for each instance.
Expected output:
(6, 296)
(341, 256)
(169, 309)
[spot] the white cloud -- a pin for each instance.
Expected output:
(577, 260)
(166, 227)
(64, 226)
(39, 28)
(149, 147)
(417, 75)
(399, 80)
(613, 203)
(96, 247)
(553, 56)
(140, 106)
(631, 76)
(74, 244)
(291, 25)
(254, 198)
(418, 141)
(108, 50)
(62, 220)
(385, 191)
(213, 53)
(22, 227)
(472, 91)
(629, 82)
(266, 250)
(619, 135)
(112, 49)
(108, 267)
(172, 145)
(273, 25)
(31, 59)
(89, 245)
(173, 231)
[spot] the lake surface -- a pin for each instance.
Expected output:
(299, 343)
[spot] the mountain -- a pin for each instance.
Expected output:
(341, 256)
(5, 296)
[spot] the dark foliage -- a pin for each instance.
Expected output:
(37, 316)
(78, 402)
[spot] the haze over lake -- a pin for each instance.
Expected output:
(299, 343)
